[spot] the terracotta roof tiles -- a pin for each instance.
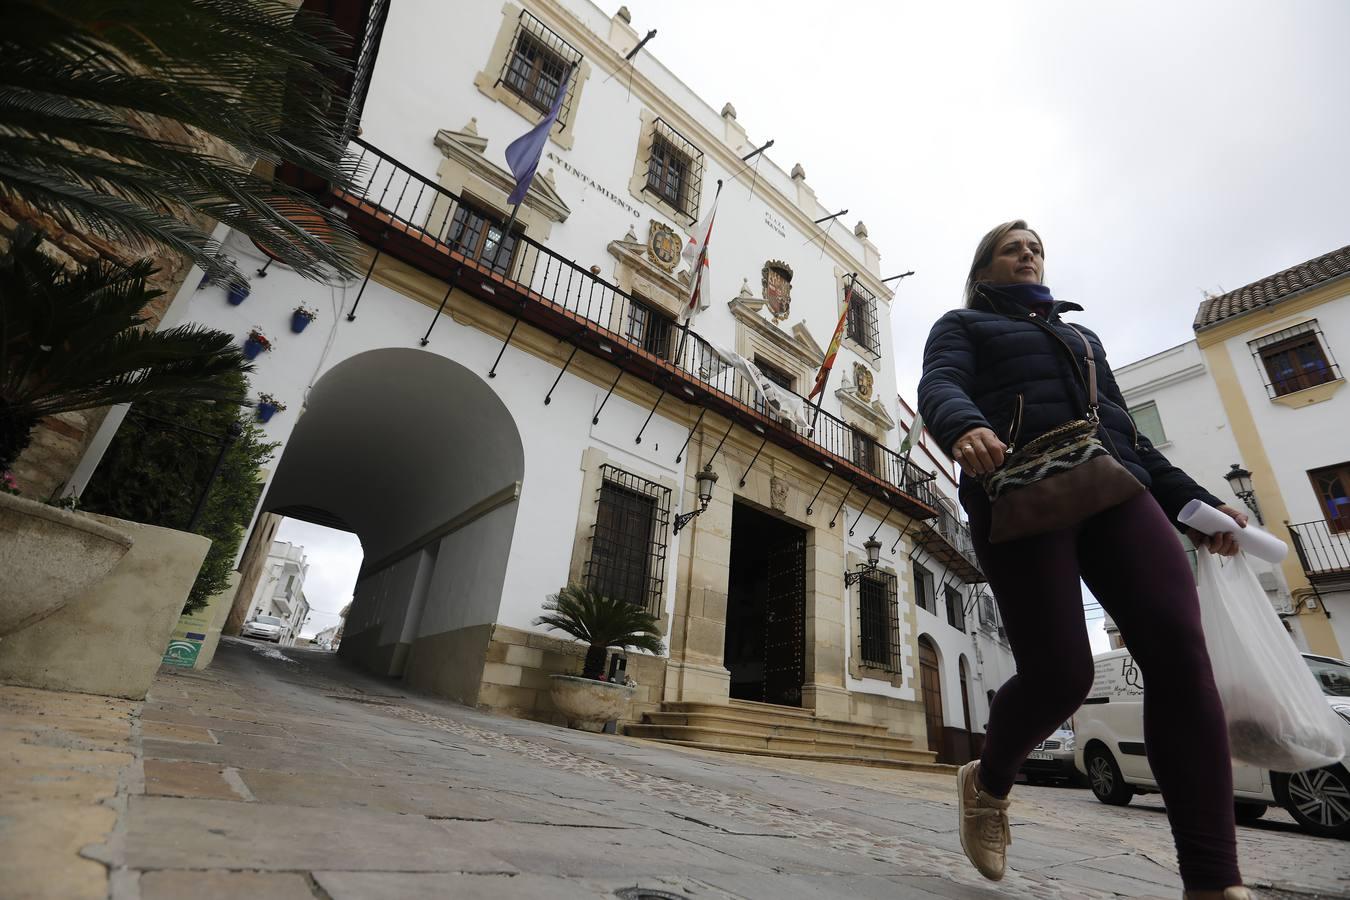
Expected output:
(1273, 288)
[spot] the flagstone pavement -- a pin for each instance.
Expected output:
(288, 775)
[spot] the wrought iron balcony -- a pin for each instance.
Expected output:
(947, 539)
(405, 215)
(1323, 551)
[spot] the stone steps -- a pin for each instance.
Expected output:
(788, 732)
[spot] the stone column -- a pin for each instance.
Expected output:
(826, 607)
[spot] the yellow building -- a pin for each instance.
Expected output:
(1270, 348)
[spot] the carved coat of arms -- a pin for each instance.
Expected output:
(663, 245)
(776, 278)
(862, 378)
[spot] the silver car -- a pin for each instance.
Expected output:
(264, 628)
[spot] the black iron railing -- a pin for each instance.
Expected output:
(956, 533)
(413, 207)
(1323, 551)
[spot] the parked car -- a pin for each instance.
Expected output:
(1110, 751)
(264, 628)
(1052, 759)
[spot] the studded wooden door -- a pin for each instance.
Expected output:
(930, 678)
(785, 622)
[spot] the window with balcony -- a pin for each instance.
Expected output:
(878, 622)
(861, 325)
(956, 610)
(477, 234)
(864, 451)
(1332, 486)
(628, 542)
(924, 595)
(988, 613)
(650, 329)
(674, 171)
(1295, 359)
(777, 376)
(1149, 423)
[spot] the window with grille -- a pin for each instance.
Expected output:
(923, 589)
(956, 610)
(628, 543)
(862, 324)
(1149, 423)
(478, 235)
(988, 612)
(674, 170)
(878, 622)
(1332, 485)
(649, 329)
(538, 65)
(1295, 359)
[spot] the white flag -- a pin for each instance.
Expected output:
(696, 254)
(774, 398)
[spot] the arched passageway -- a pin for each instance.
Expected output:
(419, 458)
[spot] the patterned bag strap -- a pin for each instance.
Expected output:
(1092, 373)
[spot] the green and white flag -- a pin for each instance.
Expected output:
(915, 429)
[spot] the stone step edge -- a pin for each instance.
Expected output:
(913, 766)
(770, 712)
(657, 718)
(642, 729)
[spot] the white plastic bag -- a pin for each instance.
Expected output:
(1277, 716)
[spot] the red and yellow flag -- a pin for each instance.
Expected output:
(824, 374)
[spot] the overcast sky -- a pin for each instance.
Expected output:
(1160, 148)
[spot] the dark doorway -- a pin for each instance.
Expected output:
(766, 609)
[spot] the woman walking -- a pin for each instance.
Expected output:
(997, 375)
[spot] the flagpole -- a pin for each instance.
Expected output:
(848, 294)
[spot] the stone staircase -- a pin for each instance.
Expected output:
(763, 729)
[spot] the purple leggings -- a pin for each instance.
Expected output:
(1131, 559)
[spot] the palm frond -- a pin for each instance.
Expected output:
(601, 621)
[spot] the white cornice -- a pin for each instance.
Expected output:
(800, 344)
(1162, 381)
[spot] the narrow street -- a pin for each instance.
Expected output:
(283, 774)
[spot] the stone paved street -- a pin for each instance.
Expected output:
(284, 774)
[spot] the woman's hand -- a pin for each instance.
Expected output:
(1224, 543)
(979, 451)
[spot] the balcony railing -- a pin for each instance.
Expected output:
(947, 539)
(1323, 552)
(406, 215)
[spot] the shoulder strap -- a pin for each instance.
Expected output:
(1091, 370)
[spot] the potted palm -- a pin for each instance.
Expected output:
(600, 622)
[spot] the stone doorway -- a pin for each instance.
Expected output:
(930, 679)
(765, 649)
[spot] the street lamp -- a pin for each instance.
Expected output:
(706, 479)
(1240, 480)
(873, 547)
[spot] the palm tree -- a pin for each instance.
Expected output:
(600, 622)
(74, 340)
(87, 99)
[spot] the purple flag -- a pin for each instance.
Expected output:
(522, 154)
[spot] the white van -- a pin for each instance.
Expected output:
(1110, 751)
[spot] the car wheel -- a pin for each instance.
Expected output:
(1105, 779)
(1319, 800)
(1246, 813)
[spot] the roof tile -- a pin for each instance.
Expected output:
(1273, 288)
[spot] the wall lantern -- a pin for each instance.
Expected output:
(706, 479)
(873, 547)
(1240, 480)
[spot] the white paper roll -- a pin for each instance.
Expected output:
(1207, 520)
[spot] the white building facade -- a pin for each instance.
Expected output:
(281, 590)
(496, 416)
(1261, 388)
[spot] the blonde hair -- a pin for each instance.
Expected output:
(984, 253)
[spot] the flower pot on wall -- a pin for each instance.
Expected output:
(266, 411)
(588, 704)
(299, 322)
(49, 555)
(238, 293)
(252, 348)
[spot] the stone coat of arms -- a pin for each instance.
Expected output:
(776, 278)
(862, 378)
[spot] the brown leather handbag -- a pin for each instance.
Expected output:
(1061, 478)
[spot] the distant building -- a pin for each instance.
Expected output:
(280, 591)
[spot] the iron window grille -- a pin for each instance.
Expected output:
(478, 235)
(1294, 359)
(628, 542)
(674, 170)
(862, 325)
(537, 64)
(649, 329)
(956, 610)
(923, 589)
(879, 621)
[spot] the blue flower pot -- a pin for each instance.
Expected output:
(252, 348)
(299, 322)
(238, 294)
(266, 411)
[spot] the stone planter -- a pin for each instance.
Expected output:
(588, 704)
(49, 555)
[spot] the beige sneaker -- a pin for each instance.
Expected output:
(983, 821)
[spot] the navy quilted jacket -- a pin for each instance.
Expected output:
(991, 365)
